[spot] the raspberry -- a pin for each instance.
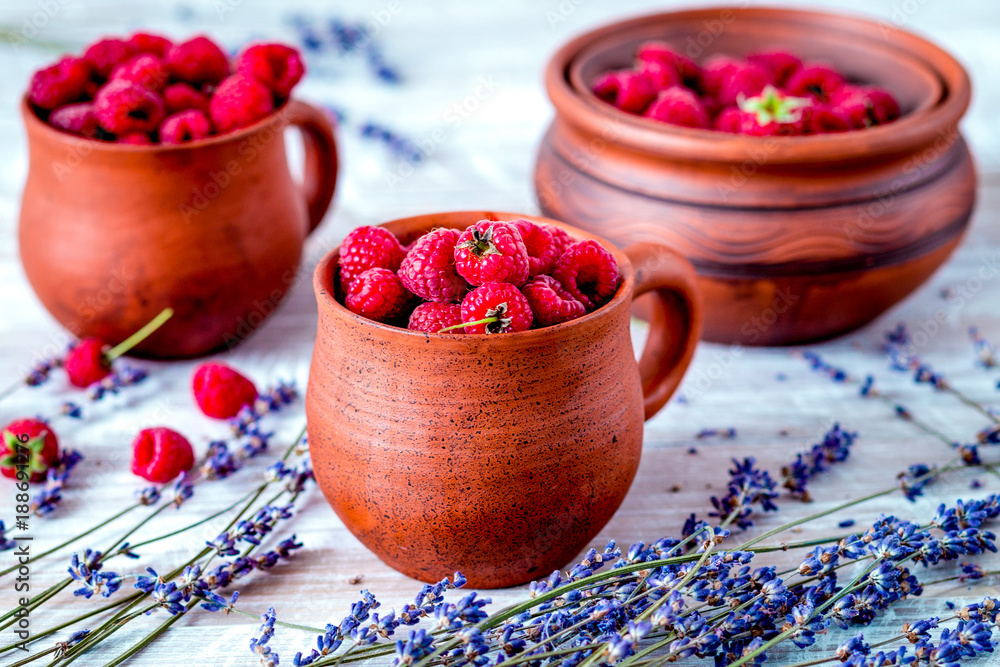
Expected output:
(368, 248)
(377, 294)
(659, 74)
(779, 64)
(198, 60)
(865, 106)
(678, 106)
(185, 126)
(432, 317)
(627, 90)
(729, 120)
(183, 96)
(428, 270)
(561, 239)
(239, 101)
(105, 54)
(490, 251)
(159, 454)
(543, 251)
(589, 272)
(135, 139)
(86, 363)
(33, 439)
(76, 119)
(221, 390)
(500, 302)
(663, 53)
(147, 42)
(277, 66)
(770, 113)
(145, 70)
(740, 82)
(550, 302)
(884, 107)
(64, 82)
(820, 81)
(124, 108)
(716, 69)
(823, 119)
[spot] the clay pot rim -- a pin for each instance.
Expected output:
(922, 126)
(325, 292)
(34, 123)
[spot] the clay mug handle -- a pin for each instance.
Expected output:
(674, 323)
(320, 173)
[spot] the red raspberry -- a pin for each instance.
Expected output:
(432, 317)
(543, 250)
(239, 101)
(824, 119)
(159, 454)
(368, 248)
(716, 69)
(741, 82)
(779, 64)
(125, 108)
(428, 270)
(551, 302)
(589, 272)
(198, 60)
(183, 96)
(561, 239)
(76, 119)
(147, 42)
(64, 82)
(135, 139)
(105, 54)
(86, 363)
(277, 66)
(770, 113)
(629, 91)
(221, 390)
(37, 441)
(865, 106)
(501, 301)
(662, 52)
(145, 70)
(729, 120)
(185, 126)
(659, 74)
(490, 251)
(820, 81)
(377, 294)
(678, 106)
(884, 107)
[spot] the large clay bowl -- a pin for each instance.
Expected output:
(794, 238)
(111, 234)
(500, 456)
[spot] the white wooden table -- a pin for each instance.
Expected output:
(446, 50)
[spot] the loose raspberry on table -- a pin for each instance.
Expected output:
(29, 445)
(239, 101)
(86, 362)
(220, 390)
(105, 54)
(543, 250)
(664, 53)
(147, 42)
(59, 84)
(184, 96)
(780, 64)
(197, 61)
(185, 126)
(428, 270)
(550, 302)
(629, 91)
(679, 106)
(125, 108)
(277, 66)
(160, 454)
(432, 317)
(379, 295)
(820, 81)
(589, 272)
(502, 303)
(76, 118)
(492, 251)
(145, 70)
(368, 248)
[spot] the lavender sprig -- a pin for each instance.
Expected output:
(835, 448)
(46, 501)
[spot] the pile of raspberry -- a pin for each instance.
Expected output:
(494, 277)
(770, 93)
(145, 89)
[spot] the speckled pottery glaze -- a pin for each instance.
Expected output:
(500, 456)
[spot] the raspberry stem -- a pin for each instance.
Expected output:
(485, 320)
(139, 336)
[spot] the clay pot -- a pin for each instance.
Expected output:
(111, 234)
(500, 456)
(794, 238)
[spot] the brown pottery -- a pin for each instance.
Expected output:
(111, 234)
(794, 238)
(500, 456)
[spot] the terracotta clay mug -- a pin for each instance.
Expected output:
(500, 456)
(111, 234)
